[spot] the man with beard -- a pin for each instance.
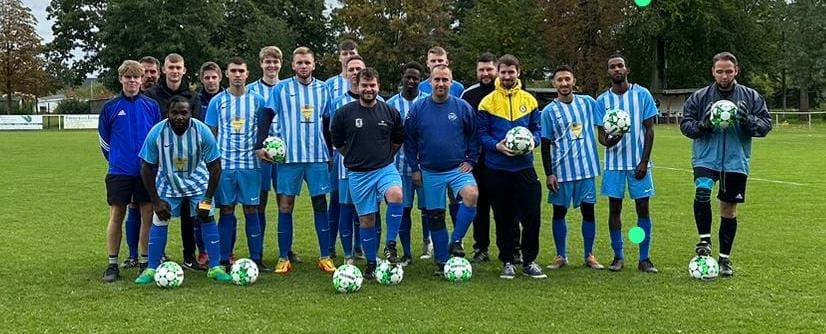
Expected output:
(151, 67)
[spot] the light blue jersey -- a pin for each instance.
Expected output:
(181, 160)
(570, 128)
(299, 110)
(236, 118)
(639, 104)
(261, 88)
(403, 105)
(337, 86)
(331, 112)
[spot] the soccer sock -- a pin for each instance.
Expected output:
(589, 232)
(404, 232)
(157, 244)
(262, 221)
(378, 229)
(332, 219)
(226, 225)
(113, 259)
(143, 258)
(616, 243)
(454, 210)
(425, 226)
(370, 243)
(702, 217)
(645, 245)
(728, 229)
(394, 220)
(212, 241)
(199, 240)
(464, 217)
(345, 221)
(234, 235)
(560, 231)
(322, 231)
(440, 245)
(356, 230)
(255, 242)
(285, 234)
(133, 230)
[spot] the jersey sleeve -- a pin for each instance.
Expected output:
(649, 105)
(104, 132)
(149, 150)
(209, 146)
(546, 121)
(211, 117)
(411, 139)
(599, 110)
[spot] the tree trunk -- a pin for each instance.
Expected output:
(804, 103)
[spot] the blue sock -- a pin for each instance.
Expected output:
(226, 227)
(209, 232)
(157, 244)
(370, 243)
(199, 240)
(133, 230)
(322, 231)
(285, 234)
(345, 221)
(332, 217)
(616, 243)
(378, 223)
(454, 209)
(589, 232)
(404, 232)
(440, 245)
(425, 225)
(356, 230)
(645, 245)
(464, 217)
(394, 221)
(262, 221)
(560, 229)
(255, 241)
(234, 235)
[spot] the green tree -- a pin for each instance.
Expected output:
(804, 53)
(76, 30)
(21, 64)
(309, 25)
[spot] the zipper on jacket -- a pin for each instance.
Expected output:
(510, 105)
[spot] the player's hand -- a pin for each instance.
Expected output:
(501, 147)
(742, 115)
(705, 123)
(417, 178)
(641, 170)
(552, 183)
(263, 155)
(465, 167)
(162, 209)
(611, 140)
(204, 209)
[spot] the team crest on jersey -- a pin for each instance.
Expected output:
(180, 163)
(382, 123)
(237, 124)
(523, 109)
(359, 123)
(307, 112)
(452, 116)
(576, 130)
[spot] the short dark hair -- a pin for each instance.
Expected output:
(367, 73)
(414, 65)
(356, 57)
(562, 68)
(725, 55)
(347, 44)
(150, 59)
(508, 60)
(178, 99)
(486, 57)
(617, 54)
(236, 61)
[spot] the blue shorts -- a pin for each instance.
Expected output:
(613, 184)
(436, 183)
(290, 176)
(344, 192)
(175, 204)
(576, 192)
(411, 191)
(366, 187)
(269, 177)
(238, 186)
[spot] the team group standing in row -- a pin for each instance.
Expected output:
(177, 153)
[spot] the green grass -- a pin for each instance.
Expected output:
(53, 213)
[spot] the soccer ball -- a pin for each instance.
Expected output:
(169, 275)
(616, 122)
(244, 272)
(276, 149)
(458, 269)
(519, 140)
(723, 113)
(347, 278)
(389, 274)
(703, 267)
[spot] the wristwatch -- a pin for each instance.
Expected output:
(205, 204)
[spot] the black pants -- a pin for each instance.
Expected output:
(515, 198)
(481, 224)
(187, 232)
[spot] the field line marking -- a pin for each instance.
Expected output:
(750, 178)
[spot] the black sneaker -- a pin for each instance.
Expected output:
(293, 256)
(647, 267)
(226, 265)
(370, 272)
(725, 267)
(480, 256)
(703, 248)
(112, 273)
(142, 267)
(262, 268)
(616, 265)
(533, 270)
(192, 265)
(332, 253)
(129, 263)
(508, 271)
(165, 258)
(440, 269)
(456, 249)
(406, 260)
(390, 253)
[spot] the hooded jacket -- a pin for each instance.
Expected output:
(500, 111)
(162, 94)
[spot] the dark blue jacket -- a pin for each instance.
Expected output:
(440, 136)
(123, 125)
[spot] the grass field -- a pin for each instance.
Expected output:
(53, 213)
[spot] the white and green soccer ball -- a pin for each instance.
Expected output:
(169, 275)
(244, 272)
(458, 269)
(389, 274)
(616, 122)
(276, 149)
(723, 114)
(347, 278)
(519, 140)
(703, 267)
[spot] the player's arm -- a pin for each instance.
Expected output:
(264, 123)
(214, 168)
(695, 121)
(411, 143)
(338, 134)
(756, 121)
(161, 207)
(546, 123)
(471, 137)
(648, 144)
(104, 133)
(397, 133)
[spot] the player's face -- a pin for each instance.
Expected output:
(343, 55)
(303, 66)
(411, 79)
(271, 66)
(486, 72)
(237, 75)
(440, 80)
(211, 80)
(434, 59)
(174, 71)
(724, 72)
(564, 82)
(131, 84)
(179, 116)
(353, 69)
(508, 75)
(368, 89)
(617, 70)
(150, 74)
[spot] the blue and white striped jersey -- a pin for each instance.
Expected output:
(337, 86)
(299, 109)
(265, 90)
(403, 105)
(570, 128)
(236, 118)
(181, 160)
(331, 113)
(639, 104)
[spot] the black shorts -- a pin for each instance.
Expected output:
(732, 185)
(124, 189)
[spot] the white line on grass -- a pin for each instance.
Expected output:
(750, 178)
